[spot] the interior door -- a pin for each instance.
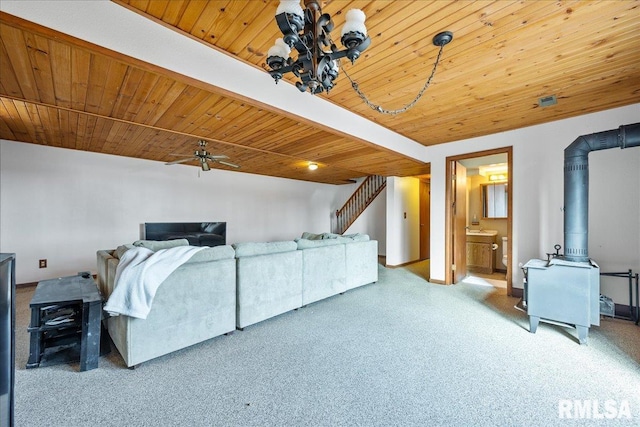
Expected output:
(459, 221)
(425, 219)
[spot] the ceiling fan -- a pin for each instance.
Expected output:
(203, 157)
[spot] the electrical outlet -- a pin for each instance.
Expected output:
(43, 263)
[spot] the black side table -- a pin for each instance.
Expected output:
(66, 313)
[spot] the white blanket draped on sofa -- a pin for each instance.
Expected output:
(139, 274)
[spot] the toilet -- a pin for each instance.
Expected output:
(505, 255)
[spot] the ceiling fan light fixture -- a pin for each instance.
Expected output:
(203, 157)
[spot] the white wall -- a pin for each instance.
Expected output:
(403, 234)
(614, 216)
(538, 193)
(64, 205)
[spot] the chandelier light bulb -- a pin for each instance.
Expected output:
(333, 65)
(290, 6)
(354, 22)
(280, 48)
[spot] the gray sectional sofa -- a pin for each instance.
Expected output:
(227, 287)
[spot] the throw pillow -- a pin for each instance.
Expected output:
(308, 244)
(357, 237)
(330, 236)
(311, 236)
(156, 245)
(120, 250)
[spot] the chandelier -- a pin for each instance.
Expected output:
(308, 32)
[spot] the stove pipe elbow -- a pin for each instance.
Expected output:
(576, 184)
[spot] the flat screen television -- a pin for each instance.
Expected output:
(197, 233)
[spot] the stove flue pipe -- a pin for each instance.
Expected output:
(576, 184)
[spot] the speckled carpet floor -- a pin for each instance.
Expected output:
(400, 352)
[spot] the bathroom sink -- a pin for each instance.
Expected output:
(482, 233)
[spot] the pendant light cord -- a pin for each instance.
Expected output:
(408, 106)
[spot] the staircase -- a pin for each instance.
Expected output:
(358, 202)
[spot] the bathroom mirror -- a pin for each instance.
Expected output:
(494, 200)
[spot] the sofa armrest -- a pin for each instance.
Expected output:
(112, 265)
(103, 256)
(362, 263)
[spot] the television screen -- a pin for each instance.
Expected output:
(197, 233)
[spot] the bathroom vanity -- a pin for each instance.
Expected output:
(480, 251)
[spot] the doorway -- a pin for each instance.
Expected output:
(425, 218)
(469, 181)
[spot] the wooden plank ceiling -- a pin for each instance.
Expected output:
(60, 91)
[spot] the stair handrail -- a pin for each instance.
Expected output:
(359, 201)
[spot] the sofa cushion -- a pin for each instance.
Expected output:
(156, 245)
(213, 254)
(262, 248)
(267, 285)
(323, 269)
(308, 244)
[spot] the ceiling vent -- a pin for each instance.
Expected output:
(547, 101)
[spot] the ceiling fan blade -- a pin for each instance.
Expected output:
(216, 157)
(175, 162)
(228, 164)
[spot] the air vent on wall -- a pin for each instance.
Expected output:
(547, 101)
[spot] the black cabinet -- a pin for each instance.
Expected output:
(66, 316)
